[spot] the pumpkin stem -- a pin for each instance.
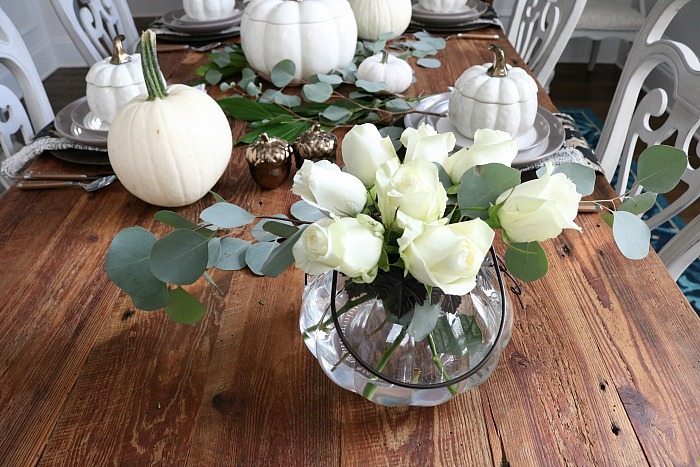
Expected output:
(385, 57)
(498, 69)
(151, 70)
(119, 55)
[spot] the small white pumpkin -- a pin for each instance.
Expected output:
(494, 96)
(395, 72)
(169, 147)
(377, 17)
(317, 35)
(442, 6)
(113, 82)
(207, 10)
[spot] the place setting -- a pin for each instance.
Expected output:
(452, 15)
(198, 22)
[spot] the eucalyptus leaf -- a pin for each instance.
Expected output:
(398, 105)
(371, 86)
(393, 132)
(639, 204)
(283, 73)
(583, 177)
(424, 319)
(303, 211)
(128, 262)
(184, 308)
(317, 92)
(456, 335)
(232, 254)
(443, 176)
(280, 229)
(335, 113)
(526, 261)
(261, 234)
(661, 167)
(286, 100)
(226, 215)
(217, 197)
(257, 255)
(213, 76)
(222, 59)
(428, 62)
(330, 79)
(253, 89)
(281, 257)
(175, 220)
(247, 76)
(155, 299)
(180, 257)
(213, 251)
(631, 234)
(480, 186)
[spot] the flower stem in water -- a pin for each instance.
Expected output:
(370, 387)
(439, 365)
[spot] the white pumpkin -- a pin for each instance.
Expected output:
(442, 6)
(169, 147)
(208, 10)
(113, 82)
(494, 96)
(396, 73)
(377, 17)
(317, 35)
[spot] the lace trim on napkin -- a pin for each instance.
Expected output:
(12, 166)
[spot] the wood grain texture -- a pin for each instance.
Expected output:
(602, 368)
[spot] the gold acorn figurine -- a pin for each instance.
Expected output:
(269, 160)
(314, 145)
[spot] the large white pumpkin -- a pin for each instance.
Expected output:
(113, 82)
(384, 67)
(443, 6)
(494, 96)
(169, 150)
(317, 35)
(207, 10)
(376, 17)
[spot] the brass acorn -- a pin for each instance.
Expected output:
(269, 160)
(314, 145)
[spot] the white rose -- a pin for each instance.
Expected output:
(490, 146)
(324, 185)
(412, 189)
(446, 256)
(364, 150)
(539, 209)
(349, 245)
(426, 143)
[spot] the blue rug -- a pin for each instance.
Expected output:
(590, 126)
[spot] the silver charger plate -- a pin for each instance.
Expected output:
(535, 137)
(178, 21)
(66, 128)
(429, 18)
(83, 117)
(538, 150)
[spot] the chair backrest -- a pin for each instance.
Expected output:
(540, 30)
(682, 249)
(13, 117)
(628, 122)
(92, 24)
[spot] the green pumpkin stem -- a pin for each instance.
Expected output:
(151, 70)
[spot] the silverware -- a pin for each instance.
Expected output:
(178, 47)
(62, 176)
(44, 184)
(474, 35)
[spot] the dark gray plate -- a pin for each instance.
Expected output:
(178, 21)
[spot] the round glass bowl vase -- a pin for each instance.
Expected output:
(384, 358)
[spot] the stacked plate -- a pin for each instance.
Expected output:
(179, 25)
(544, 139)
(77, 123)
(447, 22)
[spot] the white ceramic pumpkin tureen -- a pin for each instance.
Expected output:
(208, 10)
(494, 96)
(377, 17)
(317, 35)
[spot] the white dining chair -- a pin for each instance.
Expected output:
(17, 125)
(93, 24)
(628, 122)
(604, 19)
(540, 29)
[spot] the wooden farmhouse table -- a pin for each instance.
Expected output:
(603, 367)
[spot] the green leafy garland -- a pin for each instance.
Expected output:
(287, 115)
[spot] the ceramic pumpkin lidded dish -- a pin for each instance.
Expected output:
(114, 81)
(209, 10)
(377, 17)
(495, 96)
(317, 35)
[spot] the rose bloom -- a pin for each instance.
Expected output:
(426, 143)
(349, 245)
(539, 209)
(412, 189)
(324, 185)
(446, 256)
(490, 146)
(364, 150)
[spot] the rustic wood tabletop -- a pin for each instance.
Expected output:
(603, 367)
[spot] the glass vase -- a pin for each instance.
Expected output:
(366, 349)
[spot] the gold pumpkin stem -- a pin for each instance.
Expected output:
(498, 69)
(119, 55)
